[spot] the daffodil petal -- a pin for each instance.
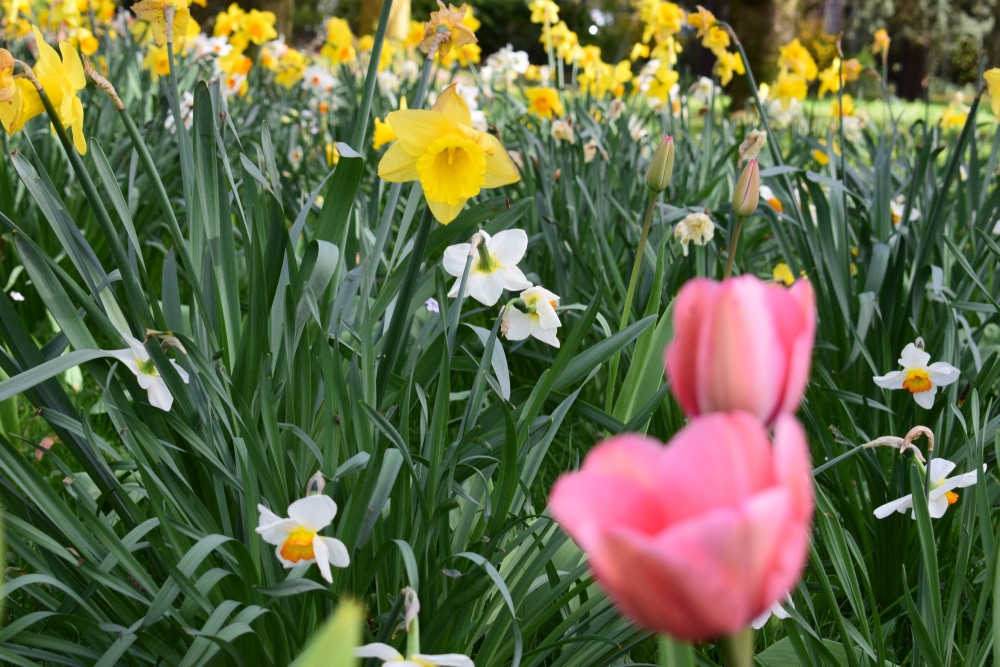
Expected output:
(500, 169)
(416, 129)
(547, 336)
(939, 469)
(519, 325)
(314, 512)
(159, 396)
(892, 380)
(898, 505)
(509, 246)
(322, 555)
(277, 529)
(486, 288)
(925, 399)
(445, 660)
(48, 60)
(445, 213)
(454, 259)
(397, 166)
(72, 67)
(453, 106)
(913, 357)
(941, 373)
(514, 279)
(337, 553)
(378, 650)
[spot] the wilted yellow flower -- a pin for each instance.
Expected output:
(439, 148)
(7, 87)
(452, 20)
(727, 65)
(716, 40)
(789, 86)
(795, 57)
(61, 79)
(544, 11)
(151, 11)
(992, 77)
(701, 20)
(881, 42)
(544, 102)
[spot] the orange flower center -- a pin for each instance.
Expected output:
(299, 545)
(917, 381)
(952, 497)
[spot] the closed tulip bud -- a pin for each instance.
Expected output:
(747, 191)
(661, 167)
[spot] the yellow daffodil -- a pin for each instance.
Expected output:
(339, 47)
(919, 377)
(822, 155)
(7, 87)
(789, 86)
(716, 41)
(829, 79)
(848, 108)
(796, 57)
(228, 22)
(61, 79)
(544, 102)
(151, 11)
(544, 11)
(701, 20)
(727, 65)
(439, 148)
(259, 26)
(665, 19)
(852, 70)
(992, 77)
(782, 273)
(383, 133)
(881, 41)
(452, 20)
(157, 62)
(639, 50)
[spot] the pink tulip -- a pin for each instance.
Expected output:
(741, 344)
(698, 538)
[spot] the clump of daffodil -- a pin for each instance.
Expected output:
(61, 79)
(339, 46)
(154, 13)
(439, 148)
(466, 53)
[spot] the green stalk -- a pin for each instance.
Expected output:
(732, 246)
(674, 653)
(737, 650)
(173, 98)
(413, 639)
(627, 310)
(400, 312)
(361, 122)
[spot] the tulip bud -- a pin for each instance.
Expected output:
(661, 167)
(747, 191)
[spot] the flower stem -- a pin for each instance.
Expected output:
(674, 653)
(629, 295)
(737, 650)
(732, 246)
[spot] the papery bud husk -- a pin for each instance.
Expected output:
(747, 191)
(661, 167)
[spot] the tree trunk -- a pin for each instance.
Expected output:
(910, 69)
(992, 41)
(762, 26)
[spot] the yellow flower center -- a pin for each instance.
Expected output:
(917, 381)
(452, 169)
(299, 545)
(147, 368)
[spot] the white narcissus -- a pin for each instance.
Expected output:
(136, 359)
(941, 494)
(296, 538)
(493, 269)
(390, 657)
(918, 376)
(540, 320)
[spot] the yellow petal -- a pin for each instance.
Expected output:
(416, 129)
(453, 106)
(500, 169)
(48, 60)
(397, 166)
(79, 140)
(72, 67)
(445, 213)
(10, 112)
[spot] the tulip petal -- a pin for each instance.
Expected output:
(791, 464)
(794, 312)
(314, 512)
(690, 309)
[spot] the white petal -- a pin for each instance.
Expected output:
(276, 532)
(453, 292)
(547, 316)
(546, 336)
(513, 279)
(509, 246)
(336, 552)
(322, 555)
(519, 325)
(486, 288)
(159, 396)
(180, 371)
(446, 660)
(938, 469)
(313, 512)
(936, 507)
(891, 380)
(454, 259)
(941, 373)
(912, 357)
(898, 505)
(267, 517)
(957, 482)
(378, 650)
(138, 350)
(126, 357)
(761, 620)
(925, 399)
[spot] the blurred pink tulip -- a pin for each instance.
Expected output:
(741, 344)
(698, 538)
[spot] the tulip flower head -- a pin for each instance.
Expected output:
(494, 265)
(538, 318)
(919, 377)
(746, 194)
(136, 359)
(741, 344)
(941, 495)
(296, 538)
(439, 148)
(698, 538)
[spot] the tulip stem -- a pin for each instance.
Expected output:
(737, 650)
(627, 310)
(674, 653)
(732, 246)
